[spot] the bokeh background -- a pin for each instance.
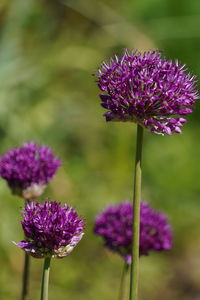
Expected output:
(48, 51)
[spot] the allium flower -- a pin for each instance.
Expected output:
(28, 169)
(147, 89)
(50, 229)
(114, 224)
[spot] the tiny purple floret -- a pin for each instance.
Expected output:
(28, 169)
(50, 229)
(147, 89)
(114, 224)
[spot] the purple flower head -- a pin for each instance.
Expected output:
(50, 229)
(114, 224)
(28, 169)
(147, 89)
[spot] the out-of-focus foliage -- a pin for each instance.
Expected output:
(48, 51)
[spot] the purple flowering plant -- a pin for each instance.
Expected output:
(50, 229)
(155, 93)
(114, 225)
(28, 169)
(147, 89)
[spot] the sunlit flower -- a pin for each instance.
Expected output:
(28, 169)
(147, 89)
(114, 224)
(50, 229)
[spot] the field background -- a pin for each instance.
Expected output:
(48, 51)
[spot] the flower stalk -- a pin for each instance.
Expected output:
(25, 278)
(26, 271)
(45, 279)
(134, 279)
(123, 282)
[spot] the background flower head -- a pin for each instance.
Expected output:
(28, 169)
(114, 224)
(147, 89)
(50, 229)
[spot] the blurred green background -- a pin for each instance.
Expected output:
(48, 51)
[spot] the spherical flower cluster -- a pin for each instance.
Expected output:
(114, 224)
(147, 89)
(28, 169)
(51, 230)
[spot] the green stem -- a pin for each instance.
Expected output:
(25, 279)
(26, 271)
(45, 279)
(123, 282)
(136, 216)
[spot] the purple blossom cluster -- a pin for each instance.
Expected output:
(28, 169)
(114, 224)
(51, 230)
(147, 89)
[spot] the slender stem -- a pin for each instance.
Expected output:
(26, 271)
(123, 282)
(25, 278)
(45, 279)
(136, 217)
